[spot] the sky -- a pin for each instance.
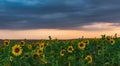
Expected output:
(62, 19)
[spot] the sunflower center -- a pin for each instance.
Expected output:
(29, 47)
(45, 44)
(88, 59)
(35, 56)
(108, 38)
(40, 51)
(41, 46)
(99, 52)
(6, 43)
(99, 47)
(63, 52)
(21, 42)
(81, 45)
(63, 48)
(17, 50)
(85, 41)
(70, 48)
(111, 41)
(26, 55)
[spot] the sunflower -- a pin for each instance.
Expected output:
(35, 55)
(37, 44)
(42, 55)
(42, 46)
(11, 58)
(81, 45)
(62, 52)
(72, 41)
(70, 49)
(86, 41)
(34, 45)
(22, 43)
(26, 55)
(6, 42)
(112, 41)
(29, 46)
(108, 38)
(39, 51)
(43, 61)
(46, 44)
(99, 47)
(89, 59)
(16, 50)
(55, 40)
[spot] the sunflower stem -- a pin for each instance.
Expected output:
(52, 62)
(56, 62)
(69, 64)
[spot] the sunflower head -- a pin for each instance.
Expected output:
(46, 44)
(108, 38)
(22, 43)
(81, 45)
(55, 40)
(70, 49)
(88, 58)
(62, 52)
(11, 58)
(42, 46)
(43, 61)
(39, 51)
(86, 41)
(29, 46)
(99, 47)
(16, 50)
(6, 42)
(26, 55)
(42, 55)
(112, 41)
(37, 43)
(35, 55)
(99, 52)
(72, 41)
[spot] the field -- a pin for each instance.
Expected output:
(104, 51)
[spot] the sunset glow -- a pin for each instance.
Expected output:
(60, 34)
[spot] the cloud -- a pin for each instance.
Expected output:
(57, 14)
(100, 26)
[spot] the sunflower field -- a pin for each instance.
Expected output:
(103, 51)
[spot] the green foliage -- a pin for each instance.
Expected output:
(102, 51)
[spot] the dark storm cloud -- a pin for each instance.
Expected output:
(57, 14)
